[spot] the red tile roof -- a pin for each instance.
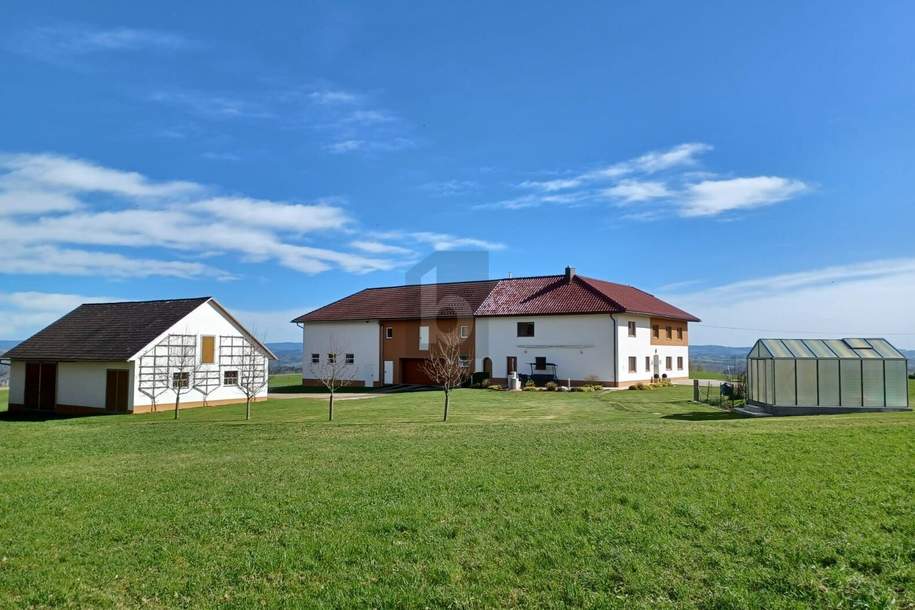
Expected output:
(406, 302)
(544, 295)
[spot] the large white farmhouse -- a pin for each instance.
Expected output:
(567, 327)
(132, 357)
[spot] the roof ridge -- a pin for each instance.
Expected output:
(143, 301)
(586, 281)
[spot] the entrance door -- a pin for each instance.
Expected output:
(117, 385)
(32, 385)
(511, 365)
(40, 385)
(487, 367)
(389, 371)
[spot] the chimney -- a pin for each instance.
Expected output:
(570, 274)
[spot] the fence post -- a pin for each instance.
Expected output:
(695, 390)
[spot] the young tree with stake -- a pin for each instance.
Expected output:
(182, 362)
(252, 373)
(334, 370)
(447, 368)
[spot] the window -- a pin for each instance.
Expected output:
(511, 364)
(631, 329)
(464, 360)
(331, 358)
(632, 363)
(423, 338)
(316, 358)
(670, 334)
(680, 333)
(525, 329)
(679, 363)
(350, 358)
(389, 333)
(230, 378)
(207, 349)
(656, 331)
(540, 363)
(647, 364)
(669, 362)
(463, 332)
(181, 380)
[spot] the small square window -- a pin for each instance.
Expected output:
(525, 329)
(181, 380)
(316, 358)
(669, 362)
(656, 331)
(631, 329)
(679, 363)
(670, 334)
(389, 333)
(230, 378)
(632, 364)
(331, 358)
(464, 360)
(463, 332)
(350, 358)
(680, 333)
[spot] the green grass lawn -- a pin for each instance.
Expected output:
(617, 499)
(291, 383)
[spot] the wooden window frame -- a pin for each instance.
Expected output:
(656, 331)
(204, 339)
(669, 331)
(525, 325)
(181, 380)
(225, 376)
(680, 333)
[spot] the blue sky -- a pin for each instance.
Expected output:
(750, 162)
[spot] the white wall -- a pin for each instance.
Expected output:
(83, 384)
(580, 345)
(205, 320)
(640, 346)
(17, 382)
(360, 338)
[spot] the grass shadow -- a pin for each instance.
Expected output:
(29, 415)
(704, 416)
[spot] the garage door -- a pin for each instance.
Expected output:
(412, 371)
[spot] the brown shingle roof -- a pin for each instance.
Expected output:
(104, 331)
(544, 295)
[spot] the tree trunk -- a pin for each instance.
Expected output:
(330, 408)
(247, 407)
(447, 396)
(177, 400)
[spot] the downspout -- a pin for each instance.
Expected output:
(616, 340)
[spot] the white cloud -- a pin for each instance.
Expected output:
(632, 191)
(870, 299)
(61, 43)
(551, 186)
(445, 241)
(24, 313)
(450, 188)
(52, 174)
(345, 146)
(714, 197)
(51, 260)
(291, 217)
(377, 247)
(36, 202)
(209, 105)
(333, 96)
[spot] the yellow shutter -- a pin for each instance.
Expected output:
(208, 350)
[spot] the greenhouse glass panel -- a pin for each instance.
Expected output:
(841, 350)
(784, 382)
(851, 383)
(798, 349)
(807, 382)
(829, 382)
(752, 377)
(896, 395)
(777, 348)
(867, 353)
(857, 343)
(872, 370)
(769, 376)
(885, 349)
(819, 348)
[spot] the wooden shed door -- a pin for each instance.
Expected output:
(116, 390)
(32, 384)
(48, 395)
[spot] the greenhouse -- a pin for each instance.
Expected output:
(826, 376)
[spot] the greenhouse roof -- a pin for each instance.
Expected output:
(825, 348)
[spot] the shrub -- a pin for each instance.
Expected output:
(531, 388)
(551, 386)
(639, 386)
(529, 384)
(494, 386)
(912, 376)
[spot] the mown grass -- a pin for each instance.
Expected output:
(291, 383)
(617, 499)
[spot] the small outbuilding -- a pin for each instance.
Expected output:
(136, 356)
(807, 376)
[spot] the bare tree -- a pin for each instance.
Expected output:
(334, 369)
(182, 362)
(206, 380)
(447, 366)
(252, 374)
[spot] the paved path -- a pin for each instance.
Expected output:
(322, 396)
(702, 382)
